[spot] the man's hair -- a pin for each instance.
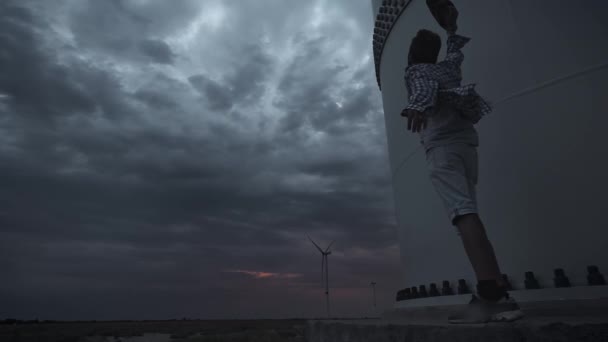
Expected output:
(424, 48)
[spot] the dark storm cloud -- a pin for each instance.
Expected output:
(331, 103)
(248, 81)
(219, 97)
(242, 83)
(129, 29)
(137, 158)
(36, 86)
(157, 50)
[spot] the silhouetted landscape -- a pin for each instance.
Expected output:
(170, 330)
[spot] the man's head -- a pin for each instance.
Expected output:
(424, 48)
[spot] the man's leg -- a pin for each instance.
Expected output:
(495, 304)
(453, 171)
(481, 255)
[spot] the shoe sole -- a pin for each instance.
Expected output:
(507, 316)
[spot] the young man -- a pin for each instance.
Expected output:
(444, 113)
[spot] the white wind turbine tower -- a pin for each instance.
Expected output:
(324, 266)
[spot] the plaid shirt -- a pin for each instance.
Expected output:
(430, 85)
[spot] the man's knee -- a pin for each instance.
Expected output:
(462, 220)
(470, 225)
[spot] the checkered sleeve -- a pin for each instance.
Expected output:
(422, 91)
(454, 45)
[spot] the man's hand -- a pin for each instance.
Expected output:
(445, 13)
(416, 121)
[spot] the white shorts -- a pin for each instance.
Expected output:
(453, 172)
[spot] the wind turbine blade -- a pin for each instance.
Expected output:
(319, 248)
(330, 245)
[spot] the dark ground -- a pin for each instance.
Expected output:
(181, 330)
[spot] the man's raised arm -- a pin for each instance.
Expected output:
(446, 15)
(454, 45)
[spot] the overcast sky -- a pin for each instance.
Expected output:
(166, 159)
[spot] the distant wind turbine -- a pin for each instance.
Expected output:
(324, 266)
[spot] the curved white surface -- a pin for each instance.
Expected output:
(543, 191)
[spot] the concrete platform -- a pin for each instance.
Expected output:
(569, 320)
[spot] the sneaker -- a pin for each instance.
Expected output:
(480, 310)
